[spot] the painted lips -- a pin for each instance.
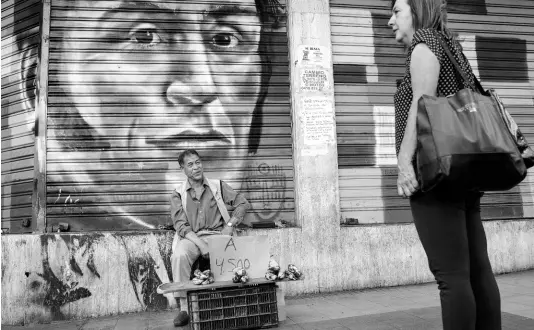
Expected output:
(190, 137)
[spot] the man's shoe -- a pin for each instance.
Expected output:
(182, 319)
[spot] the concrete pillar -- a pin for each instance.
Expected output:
(314, 140)
(41, 119)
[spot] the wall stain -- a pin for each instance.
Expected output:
(91, 265)
(59, 292)
(35, 285)
(165, 250)
(74, 267)
(142, 269)
(145, 282)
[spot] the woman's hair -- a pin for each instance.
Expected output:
(428, 14)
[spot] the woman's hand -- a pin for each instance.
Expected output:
(407, 183)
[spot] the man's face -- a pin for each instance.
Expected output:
(168, 76)
(193, 168)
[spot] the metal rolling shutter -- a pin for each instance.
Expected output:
(20, 39)
(498, 39)
(116, 71)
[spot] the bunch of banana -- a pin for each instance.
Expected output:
(293, 273)
(240, 275)
(274, 272)
(203, 278)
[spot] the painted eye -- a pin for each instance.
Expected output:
(145, 37)
(145, 34)
(225, 40)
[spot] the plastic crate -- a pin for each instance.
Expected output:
(227, 308)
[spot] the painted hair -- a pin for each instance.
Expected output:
(428, 14)
(186, 152)
(270, 13)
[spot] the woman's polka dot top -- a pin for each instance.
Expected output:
(448, 84)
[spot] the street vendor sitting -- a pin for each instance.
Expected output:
(199, 207)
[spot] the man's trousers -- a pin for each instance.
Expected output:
(184, 255)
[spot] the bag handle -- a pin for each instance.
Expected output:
(459, 70)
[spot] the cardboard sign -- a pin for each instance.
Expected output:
(229, 252)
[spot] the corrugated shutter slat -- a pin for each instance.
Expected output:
(20, 38)
(497, 37)
(131, 85)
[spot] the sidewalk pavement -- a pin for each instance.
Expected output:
(406, 307)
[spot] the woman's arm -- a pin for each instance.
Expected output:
(424, 71)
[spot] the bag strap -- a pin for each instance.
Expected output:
(220, 203)
(459, 70)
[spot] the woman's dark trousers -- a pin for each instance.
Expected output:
(451, 231)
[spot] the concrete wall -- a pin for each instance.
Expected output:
(65, 276)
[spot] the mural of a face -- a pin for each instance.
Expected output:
(177, 75)
(133, 83)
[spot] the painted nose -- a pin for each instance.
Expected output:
(195, 85)
(190, 92)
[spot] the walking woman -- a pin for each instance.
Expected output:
(448, 223)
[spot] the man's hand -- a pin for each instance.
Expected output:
(202, 246)
(204, 249)
(227, 230)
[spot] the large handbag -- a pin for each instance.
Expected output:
(463, 142)
(520, 141)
